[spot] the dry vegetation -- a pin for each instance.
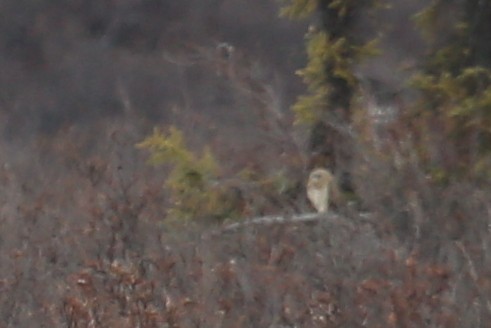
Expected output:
(86, 235)
(85, 244)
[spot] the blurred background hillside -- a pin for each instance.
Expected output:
(79, 63)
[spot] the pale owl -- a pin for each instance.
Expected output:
(318, 187)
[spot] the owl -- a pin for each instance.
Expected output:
(320, 184)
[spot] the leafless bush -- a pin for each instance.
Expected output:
(84, 239)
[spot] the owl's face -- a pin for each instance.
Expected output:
(319, 178)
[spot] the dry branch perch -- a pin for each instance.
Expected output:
(269, 220)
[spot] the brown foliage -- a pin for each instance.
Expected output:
(85, 244)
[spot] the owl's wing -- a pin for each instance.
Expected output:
(319, 198)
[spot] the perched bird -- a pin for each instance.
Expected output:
(320, 183)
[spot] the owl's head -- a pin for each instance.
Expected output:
(320, 178)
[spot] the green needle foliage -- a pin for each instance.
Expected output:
(453, 80)
(455, 83)
(192, 181)
(333, 51)
(299, 8)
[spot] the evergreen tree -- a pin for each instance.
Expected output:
(455, 83)
(334, 47)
